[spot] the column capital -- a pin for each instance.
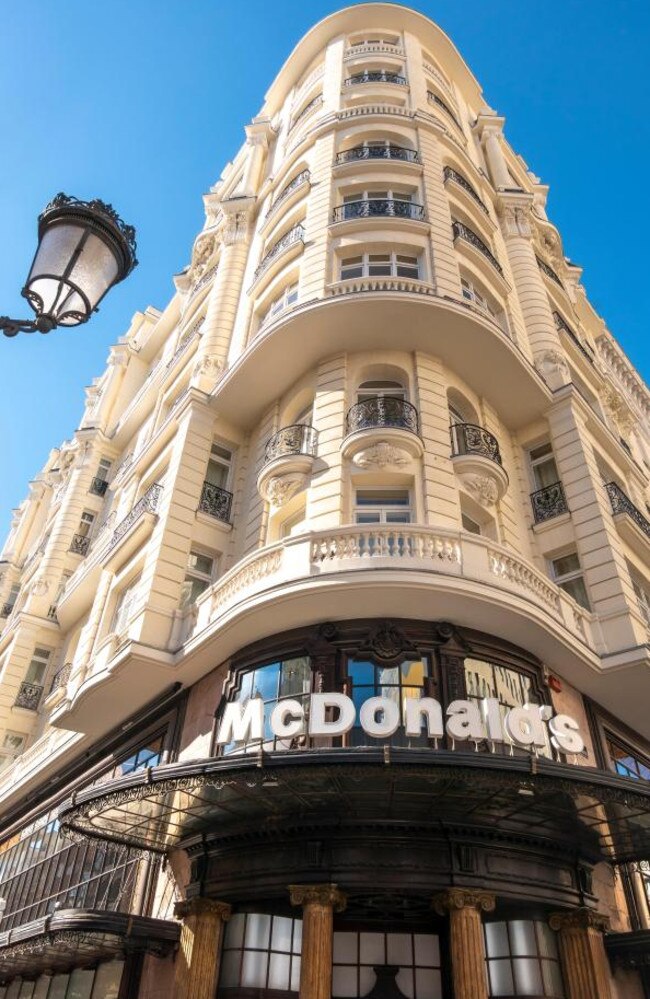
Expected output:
(200, 906)
(579, 919)
(322, 894)
(463, 898)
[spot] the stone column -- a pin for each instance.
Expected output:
(199, 954)
(319, 902)
(582, 952)
(495, 158)
(466, 939)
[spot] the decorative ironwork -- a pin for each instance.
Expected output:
(294, 235)
(378, 152)
(544, 267)
(80, 545)
(146, 504)
(467, 438)
(6, 610)
(382, 411)
(462, 231)
(216, 501)
(61, 677)
(434, 99)
(62, 200)
(373, 207)
(51, 613)
(548, 502)
(318, 99)
(375, 76)
(561, 324)
(29, 696)
(451, 174)
(621, 503)
(301, 178)
(299, 438)
(98, 486)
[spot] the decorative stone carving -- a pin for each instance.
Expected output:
(202, 906)
(516, 220)
(279, 489)
(325, 894)
(553, 368)
(204, 248)
(387, 643)
(237, 215)
(618, 410)
(461, 898)
(582, 918)
(482, 487)
(209, 366)
(381, 455)
(40, 586)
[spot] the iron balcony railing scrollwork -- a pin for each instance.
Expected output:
(148, 503)
(29, 696)
(80, 545)
(377, 208)
(548, 502)
(60, 678)
(98, 486)
(382, 411)
(294, 235)
(298, 180)
(450, 174)
(375, 76)
(438, 101)
(299, 438)
(462, 231)
(216, 502)
(561, 324)
(318, 99)
(621, 503)
(379, 152)
(544, 267)
(467, 438)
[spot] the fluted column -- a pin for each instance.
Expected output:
(199, 954)
(319, 902)
(467, 942)
(582, 952)
(494, 155)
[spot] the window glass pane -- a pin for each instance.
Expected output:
(501, 983)
(528, 976)
(427, 949)
(81, 983)
(258, 929)
(229, 976)
(234, 936)
(107, 980)
(552, 975)
(254, 968)
(26, 990)
(522, 937)
(372, 948)
(279, 971)
(295, 974)
(399, 949)
(344, 982)
(367, 980)
(546, 473)
(202, 563)
(496, 940)
(281, 935)
(427, 983)
(405, 980)
(546, 939)
(297, 936)
(577, 589)
(566, 563)
(345, 948)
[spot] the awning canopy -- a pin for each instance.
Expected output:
(77, 937)
(162, 807)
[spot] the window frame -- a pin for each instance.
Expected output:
(384, 509)
(393, 262)
(192, 574)
(560, 579)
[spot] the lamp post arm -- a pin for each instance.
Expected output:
(11, 327)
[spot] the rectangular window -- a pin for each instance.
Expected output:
(523, 959)
(261, 952)
(219, 465)
(567, 573)
(351, 267)
(380, 265)
(125, 607)
(642, 592)
(279, 304)
(38, 666)
(414, 958)
(626, 761)
(383, 506)
(85, 524)
(198, 577)
(543, 465)
(470, 525)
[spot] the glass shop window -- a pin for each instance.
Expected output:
(627, 762)
(522, 959)
(288, 678)
(511, 688)
(261, 951)
(397, 683)
(412, 958)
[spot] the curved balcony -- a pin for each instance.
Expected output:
(449, 174)
(389, 152)
(294, 237)
(463, 232)
(548, 502)
(369, 208)
(632, 525)
(477, 463)
(375, 76)
(98, 486)
(289, 457)
(382, 431)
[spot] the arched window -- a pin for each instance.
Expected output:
(380, 389)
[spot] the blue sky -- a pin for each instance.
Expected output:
(141, 103)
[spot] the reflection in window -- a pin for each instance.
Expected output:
(397, 683)
(522, 959)
(102, 982)
(274, 682)
(261, 952)
(416, 955)
(626, 763)
(511, 689)
(147, 756)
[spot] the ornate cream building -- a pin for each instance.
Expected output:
(375, 479)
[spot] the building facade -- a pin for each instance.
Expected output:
(324, 639)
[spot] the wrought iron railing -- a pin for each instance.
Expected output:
(544, 267)
(296, 439)
(6, 609)
(29, 696)
(216, 501)
(375, 76)
(621, 503)
(548, 502)
(318, 99)
(451, 174)
(462, 231)
(80, 544)
(98, 486)
(295, 235)
(382, 411)
(377, 207)
(388, 152)
(561, 324)
(298, 180)
(438, 101)
(148, 503)
(467, 438)
(61, 677)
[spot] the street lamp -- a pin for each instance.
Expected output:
(84, 249)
